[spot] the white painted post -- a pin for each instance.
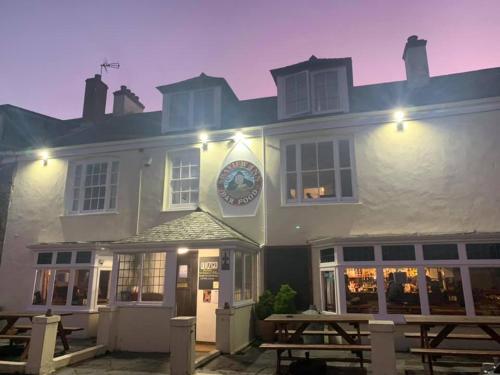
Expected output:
(224, 330)
(226, 277)
(42, 345)
(182, 349)
(106, 328)
(383, 354)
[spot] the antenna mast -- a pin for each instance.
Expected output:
(107, 65)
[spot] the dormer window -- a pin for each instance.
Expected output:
(296, 94)
(326, 91)
(195, 109)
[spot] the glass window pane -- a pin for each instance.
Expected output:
(398, 252)
(325, 155)
(358, 253)
(83, 256)
(344, 154)
(361, 290)
(329, 299)
(238, 276)
(483, 251)
(248, 277)
(60, 293)
(310, 185)
(346, 182)
(444, 287)
(184, 177)
(401, 290)
(327, 184)
(178, 109)
(327, 255)
(42, 280)
(153, 276)
(127, 288)
(80, 288)
(63, 257)
(308, 156)
(103, 289)
(44, 258)
(485, 290)
(204, 108)
(291, 183)
(290, 158)
(440, 251)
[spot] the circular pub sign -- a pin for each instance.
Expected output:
(239, 183)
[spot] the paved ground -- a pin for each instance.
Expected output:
(250, 362)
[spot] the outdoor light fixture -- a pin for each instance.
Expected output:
(238, 137)
(44, 156)
(182, 250)
(204, 140)
(399, 116)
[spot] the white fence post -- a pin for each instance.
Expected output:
(383, 354)
(182, 345)
(42, 345)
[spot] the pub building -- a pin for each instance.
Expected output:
(375, 199)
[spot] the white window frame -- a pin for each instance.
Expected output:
(283, 99)
(342, 87)
(190, 124)
(168, 205)
(114, 288)
(70, 186)
(253, 260)
(298, 165)
(72, 267)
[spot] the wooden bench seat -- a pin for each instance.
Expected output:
(326, 333)
(15, 337)
(281, 347)
(451, 336)
(28, 327)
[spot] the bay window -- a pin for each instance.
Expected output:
(141, 277)
(243, 276)
(318, 171)
(93, 186)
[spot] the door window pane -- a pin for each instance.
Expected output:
(398, 252)
(440, 252)
(358, 253)
(80, 288)
(60, 293)
(42, 280)
(485, 284)
(483, 251)
(361, 290)
(329, 300)
(444, 287)
(401, 290)
(103, 289)
(127, 288)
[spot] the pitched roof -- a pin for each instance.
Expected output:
(196, 227)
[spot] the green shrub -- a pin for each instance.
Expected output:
(284, 302)
(264, 307)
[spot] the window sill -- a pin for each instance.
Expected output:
(247, 302)
(90, 213)
(180, 208)
(319, 203)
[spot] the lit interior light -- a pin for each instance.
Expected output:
(44, 156)
(297, 227)
(238, 137)
(182, 250)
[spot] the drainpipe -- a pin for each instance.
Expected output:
(146, 162)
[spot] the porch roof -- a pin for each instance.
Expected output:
(198, 227)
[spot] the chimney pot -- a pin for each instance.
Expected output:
(125, 102)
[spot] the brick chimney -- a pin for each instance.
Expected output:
(415, 57)
(125, 101)
(94, 103)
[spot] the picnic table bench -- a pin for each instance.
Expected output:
(290, 339)
(429, 342)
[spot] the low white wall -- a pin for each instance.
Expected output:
(235, 328)
(87, 320)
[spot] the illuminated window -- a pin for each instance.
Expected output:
(141, 277)
(361, 290)
(485, 290)
(60, 293)
(184, 178)
(94, 187)
(444, 288)
(318, 171)
(41, 291)
(401, 290)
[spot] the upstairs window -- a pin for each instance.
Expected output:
(192, 109)
(184, 178)
(296, 94)
(326, 91)
(318, 171)
(94, 187)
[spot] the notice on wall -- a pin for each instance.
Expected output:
(208, 274)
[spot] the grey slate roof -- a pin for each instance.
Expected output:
(198, 226)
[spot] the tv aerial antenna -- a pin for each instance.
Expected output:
(105, 65)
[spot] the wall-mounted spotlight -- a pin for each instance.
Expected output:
(238, 137)
(44, 157)
(399, 117)
(182, 250)
(204, 140)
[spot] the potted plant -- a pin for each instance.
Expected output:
(264, 308)
(284, 302)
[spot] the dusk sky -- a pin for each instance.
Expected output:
(48, 48)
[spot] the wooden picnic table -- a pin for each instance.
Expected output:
(291, 327)
(12, 317)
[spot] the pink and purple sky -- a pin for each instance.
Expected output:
(48, 48)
